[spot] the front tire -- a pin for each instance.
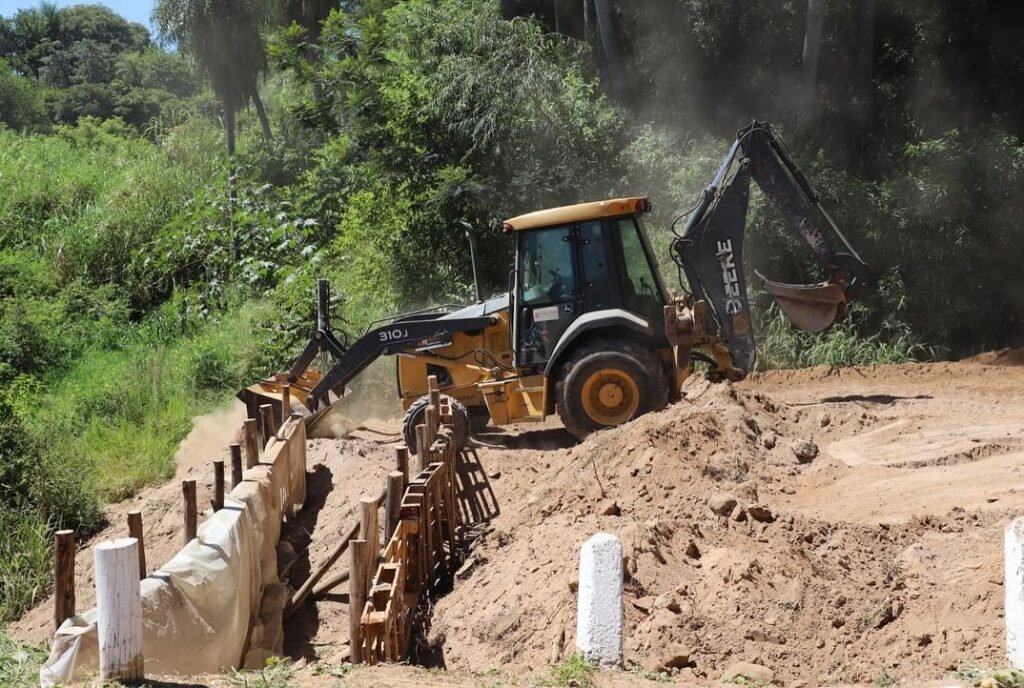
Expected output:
(416, 414)
(608, 383)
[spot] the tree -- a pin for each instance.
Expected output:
(20, 104)
(224, 38)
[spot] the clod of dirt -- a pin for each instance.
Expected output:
(610, 509)
(675, 657)
(759, 512)
(755, 673)
(722, 503)
(804, 450)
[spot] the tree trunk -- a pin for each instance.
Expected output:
(812, 56)
(610, 50)
(866, 57)
(229, 131)
(261, 113)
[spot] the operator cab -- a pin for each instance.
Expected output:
(578, 260)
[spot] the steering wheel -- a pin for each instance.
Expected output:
(557, 285)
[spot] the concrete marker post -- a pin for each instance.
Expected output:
(599, 616)
(119, 609)
(1013, 553)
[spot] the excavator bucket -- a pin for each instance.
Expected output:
(810, 307)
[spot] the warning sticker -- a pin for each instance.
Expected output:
(545, 314)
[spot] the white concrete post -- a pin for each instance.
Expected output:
(1013, 570)
(599, 609)
(119, 609)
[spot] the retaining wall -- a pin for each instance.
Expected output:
(217, 603)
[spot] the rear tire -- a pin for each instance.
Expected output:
(416, 414)
(609, 382)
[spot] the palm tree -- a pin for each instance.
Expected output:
(224, 38)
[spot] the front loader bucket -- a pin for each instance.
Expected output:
(268, 391)
(810, 307)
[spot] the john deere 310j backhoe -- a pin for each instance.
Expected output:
(587, 329)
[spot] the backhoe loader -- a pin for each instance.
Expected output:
(587, 329)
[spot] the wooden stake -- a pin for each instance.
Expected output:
(188, 491)
(119, 609)
(286, 402)
(218, 485)
(369, 531)
(430, 419)
(422, 448)
(402, 462)
(236, 465)
(135, 531)
(267, 417)
(393, 505)
(356, 599)
(252, 443)
(63, 576)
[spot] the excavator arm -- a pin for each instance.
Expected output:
(709, 250)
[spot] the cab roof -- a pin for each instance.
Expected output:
(578, 213)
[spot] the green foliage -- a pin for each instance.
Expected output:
(21, 104)
(19, 664)
(86, 61)
(26, 570)
(575, 672)
(278, 673)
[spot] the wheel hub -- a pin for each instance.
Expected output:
(610, 396)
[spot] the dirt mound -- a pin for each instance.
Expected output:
(1000, 357)
(815, 598)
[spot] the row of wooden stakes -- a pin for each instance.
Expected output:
(64, 540)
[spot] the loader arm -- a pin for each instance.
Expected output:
(412, 332)
(709, 249)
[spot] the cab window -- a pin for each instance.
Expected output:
(546, 267)
(640, 291)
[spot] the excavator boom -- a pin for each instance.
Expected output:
(710, 247)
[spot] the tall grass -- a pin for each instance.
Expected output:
(110, 426)
(780, 345)
(19, 664)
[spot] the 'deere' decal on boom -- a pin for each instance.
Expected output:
(730, 280)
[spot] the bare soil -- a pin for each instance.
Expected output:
(878, 558)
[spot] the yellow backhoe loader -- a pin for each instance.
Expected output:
(587, 329)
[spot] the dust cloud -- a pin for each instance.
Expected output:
(210, 436)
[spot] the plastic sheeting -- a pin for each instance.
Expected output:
(218, 599)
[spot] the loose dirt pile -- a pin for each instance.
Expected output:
(738, 547)
(834, 526)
